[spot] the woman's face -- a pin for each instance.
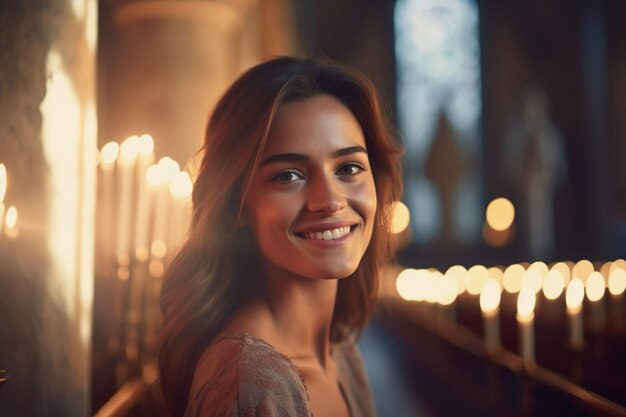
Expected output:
(312, 202)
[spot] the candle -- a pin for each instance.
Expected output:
(525, 319)
(595, 289)
(447, 292)
(490, 309)
(11, 223)
(3, 190)
(180, 189)
(574, 300)
(512, 279)
(144, 200)
(167, 169)
(617, 285)
(126, 166)
(108, 155)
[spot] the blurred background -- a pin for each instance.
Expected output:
(511, 114)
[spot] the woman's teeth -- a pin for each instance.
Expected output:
(329, 234)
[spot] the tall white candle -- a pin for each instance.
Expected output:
(106, 194)
(167, 169)
(595, 289)
(126, 168)
(617, 285)
(525, 319)
(181, 188)
(490, 309)
(144, 200)
(574, 300)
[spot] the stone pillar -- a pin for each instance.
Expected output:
(47, 143)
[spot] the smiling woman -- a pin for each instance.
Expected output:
(291, 224)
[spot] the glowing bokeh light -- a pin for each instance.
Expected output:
(553, 284)
(595, 287)
(11, 218)
(490, 296)
(459, 273)
(129, 150)
(158, 248)
(526, 302)
(617, 281)
(582, 269)
(401, 217)
(574, 294)
(564, 270)
(181, 185)
(448, 289)
(512, 278)
(109, 153)
(540, 267)
(406, 285)
(496, 273)
(500, 214)
(3, 182)
(476, 277)
(532, 278)
(146, 145)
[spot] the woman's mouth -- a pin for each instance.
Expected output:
(330, 234)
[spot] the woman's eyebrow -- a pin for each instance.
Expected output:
(298, 157)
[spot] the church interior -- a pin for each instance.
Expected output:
(507, 294)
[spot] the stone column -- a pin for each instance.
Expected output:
(47, 143)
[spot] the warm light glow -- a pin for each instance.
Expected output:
(605, 271)
(146, 145)
(617, 281)
(564, 270)
(181, 185)
(582, 270)
(497, 238)
(156, 268)
(458, 272)
(532, 278)
(476, 277)
(129, 150)
(595, 287)
(169, 168)
(553, 284)
(618, 263)
(154, 175)
(497, 274)
(158, 248)
(575, 294)
(109, 153)
(526, 303)
(490, 296)
(540, 267)
(405, 284)
(400, 218)
(447, 289)
(3, 182)
(500, 214)
(142, 253)
(513, 278)
(11, 218)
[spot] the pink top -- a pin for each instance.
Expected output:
(240, 376)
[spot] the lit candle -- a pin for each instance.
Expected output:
(447, 292)
(11, 223)
(574, 300)
(595, 289)
(512, 278)
(144, 200)
(126, 165)
(3, 190)
(490, 309)
(106, 201)
(617, 285)
(525, 319)
(180, 189)
(167, 170)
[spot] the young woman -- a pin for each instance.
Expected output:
(263, 304)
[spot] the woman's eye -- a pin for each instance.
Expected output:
(286, 177)
(350, 169)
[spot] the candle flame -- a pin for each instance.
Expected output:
(532, 278)
(448, 289)
(512, 278)
(490, 296)
(129, 150)
(582, 269)
(575, 294)
(540, 267)
(11, 217)
(3, 182)
(497, 274)
(595, 286)
(109, 153)
(553, 284)
(500, 214)
(146, 145)
(564, 270)
(617, 281)
(476, 277)
(458, 272)
(169, 168)
(401, 216)
(181, 185)
(158, 248)
(526, 302)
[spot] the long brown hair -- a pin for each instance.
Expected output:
(209, 278)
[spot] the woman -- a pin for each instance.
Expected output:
(263, 304)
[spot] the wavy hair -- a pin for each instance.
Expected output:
(210, 276)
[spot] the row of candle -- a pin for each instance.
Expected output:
(8, 216)
(153, 200)
(577, 279)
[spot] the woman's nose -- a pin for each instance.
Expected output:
(325, 195)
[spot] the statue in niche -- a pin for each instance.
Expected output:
(445, 167)
(533, 162)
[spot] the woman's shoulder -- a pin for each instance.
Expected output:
(239, 375)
